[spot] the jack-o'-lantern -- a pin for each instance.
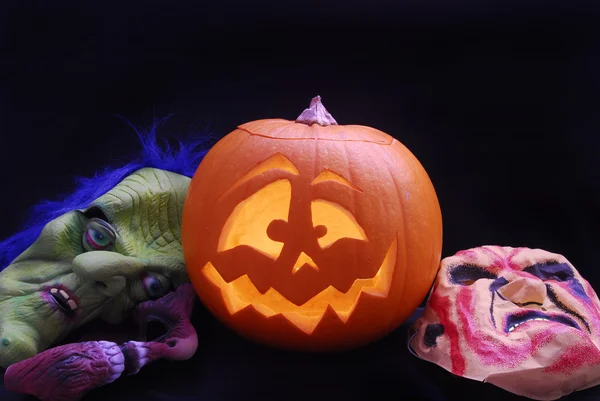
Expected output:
(311, 235)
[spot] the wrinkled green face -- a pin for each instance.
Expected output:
(125, 248)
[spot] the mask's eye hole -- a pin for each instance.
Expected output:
(469, 274)
(551, 270)
(154, 287)
(98, 236)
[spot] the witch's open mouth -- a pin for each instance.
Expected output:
(518, 319)
(64, 299)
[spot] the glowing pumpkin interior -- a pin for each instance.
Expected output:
(256, 222)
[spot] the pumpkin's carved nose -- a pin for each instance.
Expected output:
(302, 261)
(281, 231)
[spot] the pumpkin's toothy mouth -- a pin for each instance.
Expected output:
(241, 293)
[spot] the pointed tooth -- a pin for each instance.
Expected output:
(72, 304)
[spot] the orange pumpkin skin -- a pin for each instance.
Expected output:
(311, 237)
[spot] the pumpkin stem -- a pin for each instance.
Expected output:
(316, 114)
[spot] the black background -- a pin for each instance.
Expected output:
(498, 100)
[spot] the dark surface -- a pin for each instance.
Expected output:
(500, 102)
(227, 367)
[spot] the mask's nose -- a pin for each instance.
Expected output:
(108, 269)
(523, 290)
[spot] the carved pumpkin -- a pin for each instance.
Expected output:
(311, 235)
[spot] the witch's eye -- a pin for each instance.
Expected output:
(154, 287)
(98, 236)
(469, 274)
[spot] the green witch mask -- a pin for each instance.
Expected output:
(109, 250)
(124, 249)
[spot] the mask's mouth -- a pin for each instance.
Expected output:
(63, 299)
(519, 320)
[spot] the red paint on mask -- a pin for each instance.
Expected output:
(467, 253)
(510, 263)
(574, 358)
(491, 350)
(441, 306)
(497, 351)
(498, 263)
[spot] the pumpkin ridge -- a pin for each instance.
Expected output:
(399, 195)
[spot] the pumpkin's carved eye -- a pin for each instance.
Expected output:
(336, 221)
(259, 221)
(249, 221)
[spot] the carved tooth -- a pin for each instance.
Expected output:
(64, 294)
(53, 291)
(72, 304)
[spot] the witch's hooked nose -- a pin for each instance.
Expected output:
(108, 269)
(523, 290)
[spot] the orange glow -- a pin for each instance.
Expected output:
(349, 197)
(304, 260)
(247, 224)
(241, 293)
(340, 223)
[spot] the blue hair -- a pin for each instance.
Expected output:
(183, 159)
